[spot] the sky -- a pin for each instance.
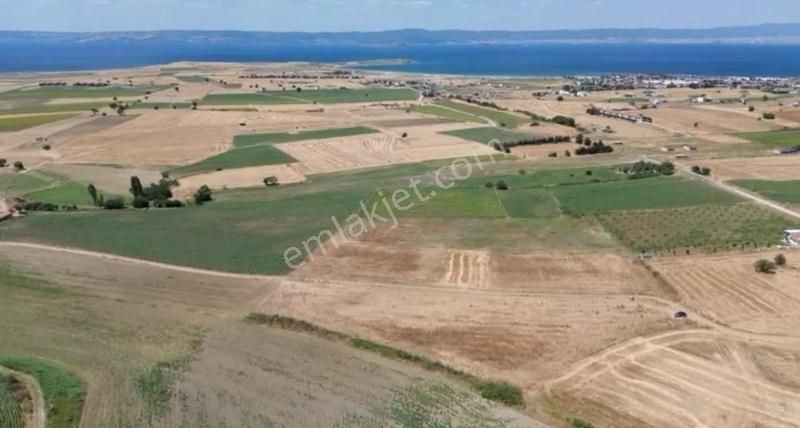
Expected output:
(373, 15)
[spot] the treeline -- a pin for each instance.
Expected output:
(560, 119)
(76, 84)
(644, 169)
(589, 147)
(530, 142)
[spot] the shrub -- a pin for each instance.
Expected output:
(769, 116)
(271, 181)
(19, 166)
(501, 185)
(490, 185)
(502, 392)
(141, 202)
(780, 260)
(751, 109)
(114, 204)
(202, 195)
(46, 147)
(764, 266)
(580, 423)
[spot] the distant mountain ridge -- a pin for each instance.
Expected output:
(766, 33)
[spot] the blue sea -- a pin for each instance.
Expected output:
(543, 59)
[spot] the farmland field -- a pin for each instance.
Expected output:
(530, 203)
(64, 392)
(446, 113)
(18, 123)
(773, 139)
(79, 92)
(64, 194)
(708, 227)
(15, 184)
(486, 134)
(11, 413)
(53, 108)
(458, 202)
(288, 137)
(237, 158)
(502, 118)
(322, 96)
(781, 191)
(653, 193)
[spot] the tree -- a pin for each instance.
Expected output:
(751, 109)
(780, 260)
(271, 181)
(3, 163)
(93, 193)
(141, 202)
(501, 185)
(136, 187)
(764, 266)
(19, 166)
(202, 195)
(769, 116)
(114, 204)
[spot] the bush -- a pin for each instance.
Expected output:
(46, 147)
(580, 423)
(502, 392)
(780, 260)
(501, 185)
(3, 163)
(114, 204)
(764, 266)
(769, 116)
(141, 202)
(202, 195)
(271, 181)
(490, 185)
(19, 166)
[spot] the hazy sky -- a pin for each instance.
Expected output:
(366, 15)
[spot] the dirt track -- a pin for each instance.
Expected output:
(38, 418)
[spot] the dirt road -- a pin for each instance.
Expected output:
(39, 416)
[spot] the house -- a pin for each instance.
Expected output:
(792, 237)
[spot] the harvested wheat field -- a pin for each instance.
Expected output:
(762, 168)
(340, 154)
(138, 319)
(726, 288)
(709, 121)
(690, 378)
(239, 177)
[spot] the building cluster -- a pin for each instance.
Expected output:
(621, 82)
(336, 74)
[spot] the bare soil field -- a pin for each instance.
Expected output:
(111, 178)
(661, 381)
(136, 316)
(542, 151)
(763, 168)
(727, 289)
(238, 178)
(682, 120)
(339, 154)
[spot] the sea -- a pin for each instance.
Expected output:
(534, 59)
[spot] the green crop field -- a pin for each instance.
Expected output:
(236, 158)
(501, 117)
(322, 96)
(288, 137)
(773, 139)
(63, 391)
(16, 184)
(11, 415)
(653, 193)
(52, 108)
(546, 177)
(446, 113)
(193, 79)
(18, 123)
(530, 203)
(486, 134)
(226, 235)
(79, 92)
(781, 191)
(628, 100)
(707, 227)
(458, 202)
(64, 194)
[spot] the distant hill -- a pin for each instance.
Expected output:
(767, 33)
